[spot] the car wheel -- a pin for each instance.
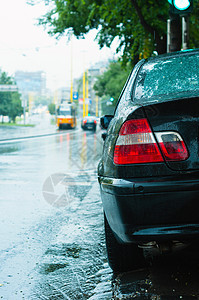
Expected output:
(122, 257)
(60, 126)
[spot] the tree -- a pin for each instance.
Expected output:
(112, 81)
(15, 109)
(10, 103)
(52, 108)
(109, 85)
(140, 25)
(5, 97)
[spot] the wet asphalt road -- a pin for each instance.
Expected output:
(51, 227)
(52, 243)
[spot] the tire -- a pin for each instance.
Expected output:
(122, 257)
(60, 126)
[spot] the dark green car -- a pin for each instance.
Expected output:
(149, 170)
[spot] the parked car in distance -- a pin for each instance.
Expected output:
(149, 169)
(89, 123)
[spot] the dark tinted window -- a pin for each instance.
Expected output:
(169, 78)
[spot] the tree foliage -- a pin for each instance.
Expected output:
(10, 103)
(5, 97)
(52, 108)
(110, 84)
(15, 109)
(140, 25)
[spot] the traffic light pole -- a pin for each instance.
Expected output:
(177, 38)
(185, 32)
(177, 33)
(174, 36)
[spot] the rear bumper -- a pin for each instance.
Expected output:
(164, 208)
(89, 126)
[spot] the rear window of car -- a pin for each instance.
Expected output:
(89, 119)
(168, 79)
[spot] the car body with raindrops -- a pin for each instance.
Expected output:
(149, 169)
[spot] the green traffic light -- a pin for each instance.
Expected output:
(111, 99)
(180, 4)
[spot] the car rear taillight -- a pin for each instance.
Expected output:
(172, 146)
(136, 144)
(95, 121)
(84, 121)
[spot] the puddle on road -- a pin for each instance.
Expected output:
(49, 268)
(169, 277)
(134, 284)
(64, 250)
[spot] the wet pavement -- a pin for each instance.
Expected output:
(51, 227)
(40, 124)
(52, 241)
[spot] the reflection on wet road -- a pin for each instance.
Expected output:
(51, 229)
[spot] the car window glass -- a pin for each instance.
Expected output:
(171, 78)
(122, 105)
(65, 112)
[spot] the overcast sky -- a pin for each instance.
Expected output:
(27, 47)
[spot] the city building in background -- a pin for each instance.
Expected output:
(31, 85)
(34, 82)
(63, 94)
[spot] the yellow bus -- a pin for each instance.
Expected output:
(66, 115)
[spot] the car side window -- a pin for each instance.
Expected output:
(126, 94)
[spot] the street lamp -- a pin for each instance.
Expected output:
(71, 69)
(84, 95)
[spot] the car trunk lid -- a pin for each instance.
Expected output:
(179, 118)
